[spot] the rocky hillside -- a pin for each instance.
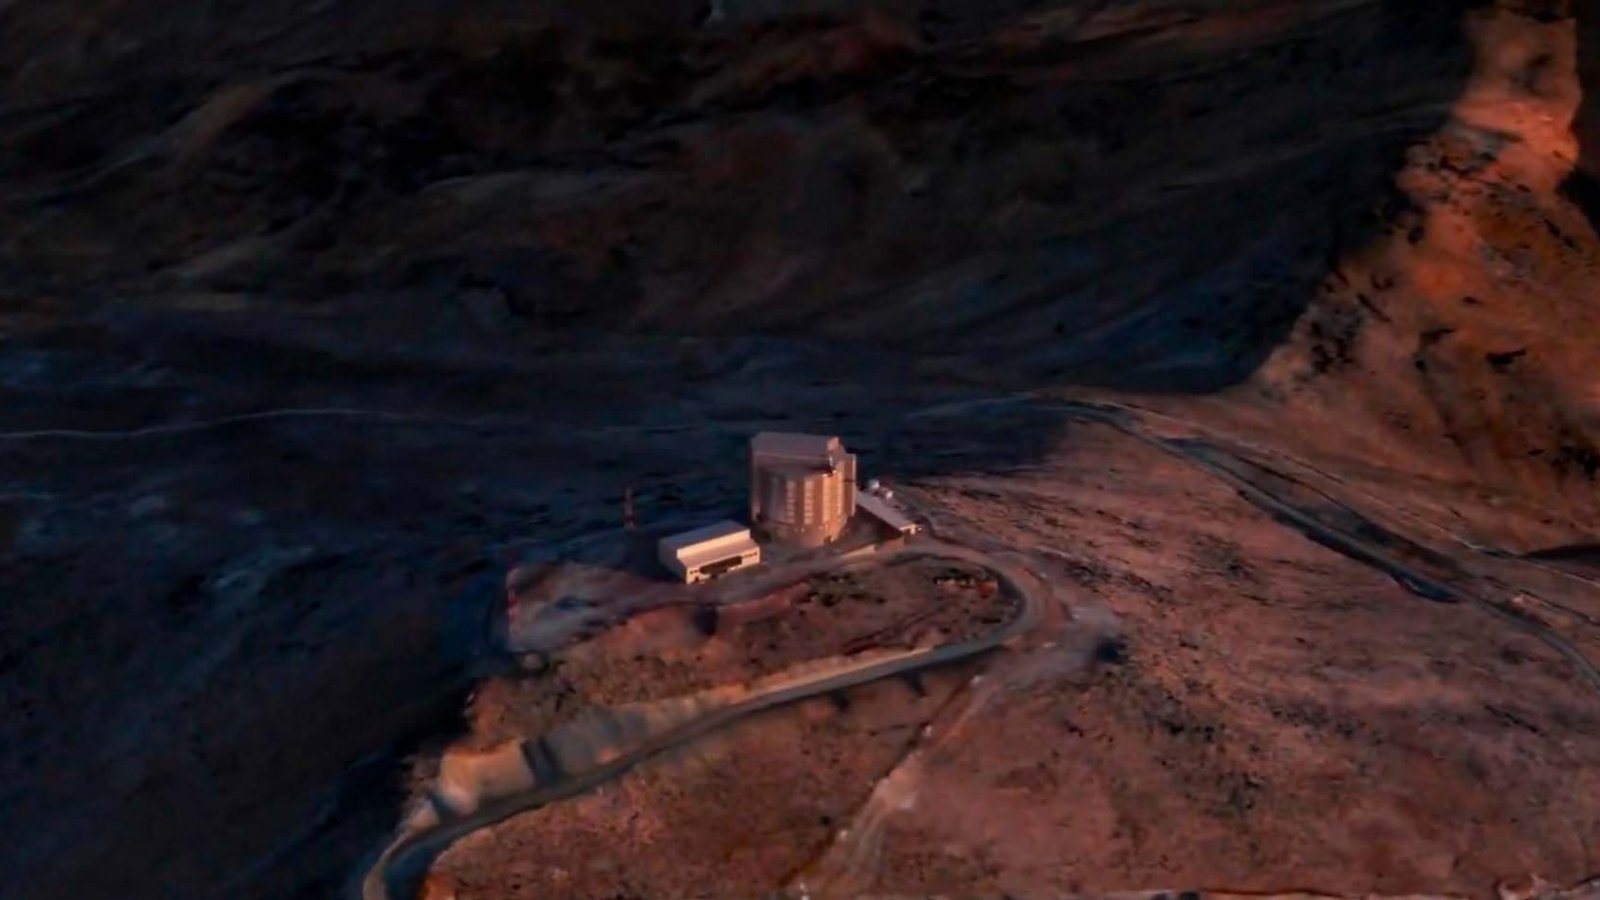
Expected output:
(1457, 341)
(1139, 194)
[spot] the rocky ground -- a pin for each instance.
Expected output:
(1278, 715)
(283, 610)
(315, 317)
(809, 767)
(681, 650)
(1284, 716)
(734, 815)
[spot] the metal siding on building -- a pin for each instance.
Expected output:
(802, 486)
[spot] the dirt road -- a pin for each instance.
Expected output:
(395, 872)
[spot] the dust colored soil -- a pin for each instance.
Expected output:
(729, 814)
(728, 817)
(677, 651)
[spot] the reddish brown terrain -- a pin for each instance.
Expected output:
(764, 796)
(1285, 717)
(1464, 333)
(676, 651)
(318, 318)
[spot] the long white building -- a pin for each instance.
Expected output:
(705, 553)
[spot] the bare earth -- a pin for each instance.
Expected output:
(1282, 716)
(759, 799)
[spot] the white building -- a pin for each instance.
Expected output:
(705, 553)
(878, 507)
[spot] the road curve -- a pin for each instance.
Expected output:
(397, 869)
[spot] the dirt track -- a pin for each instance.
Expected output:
(1346, 232)
(414, 849)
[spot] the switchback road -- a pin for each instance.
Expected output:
(397, 869)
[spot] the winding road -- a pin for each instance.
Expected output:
(397, 869)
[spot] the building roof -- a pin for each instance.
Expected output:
(797, 471)
(787, 443)
(718, 551)
(721, 531)
(881, 509)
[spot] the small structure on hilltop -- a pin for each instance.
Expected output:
(705, 553)
(802, 487)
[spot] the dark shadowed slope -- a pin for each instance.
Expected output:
(1584, 185)
(1133, 194)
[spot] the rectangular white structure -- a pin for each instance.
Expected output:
(705, 553)
(883, 511)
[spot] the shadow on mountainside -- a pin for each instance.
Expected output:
(1120, 195)
(1584, 184)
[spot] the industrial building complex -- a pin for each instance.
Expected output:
(803, 494)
